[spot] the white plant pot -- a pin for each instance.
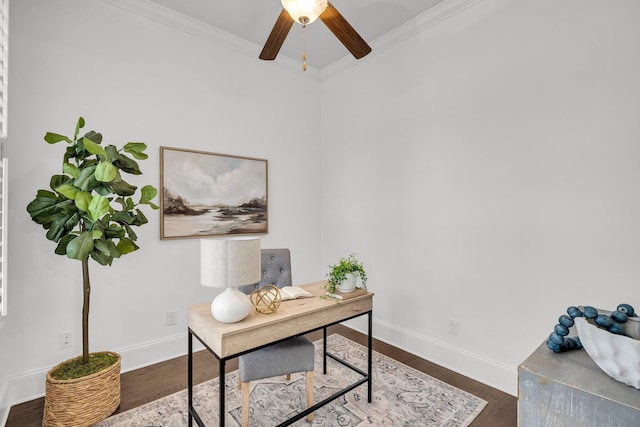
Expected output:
(348, 284)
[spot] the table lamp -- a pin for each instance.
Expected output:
(227, 263)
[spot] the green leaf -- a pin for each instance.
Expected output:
(148, 192)
(56, 229)
(67, 190)
(121, 188)
(94, 148)
(53, 138)
(81, 246)
(62, 225)
(70, 169)
(45, 210)
(114, 231)
(126, 246)
(140, 218)
(136, 149)
(127, 164)
(101, 258)
(98, 206)
(106, 172)
(112, 153)
(108, 248)
(44, 200)
(132, 234)
(102, 188)
(61, 249)
(79, 126)
(46, 193)
(123, 217)
(93, 136)
(86, 181)
(57, 180)
(69, 153)
(83, 198)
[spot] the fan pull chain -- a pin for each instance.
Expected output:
(304, 60)
(304, 20)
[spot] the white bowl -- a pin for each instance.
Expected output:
(617, 355)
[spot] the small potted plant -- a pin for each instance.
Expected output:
(343, 275)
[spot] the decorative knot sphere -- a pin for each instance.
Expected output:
(266, 300)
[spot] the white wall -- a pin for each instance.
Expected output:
(486, 170)
(134, 79)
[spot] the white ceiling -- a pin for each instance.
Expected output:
(252, 20)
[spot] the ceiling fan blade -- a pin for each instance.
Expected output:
(344, 32)
(276, 38)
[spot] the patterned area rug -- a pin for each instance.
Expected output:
(402, 396)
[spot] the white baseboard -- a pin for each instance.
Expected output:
(30, 385)
(474, 366)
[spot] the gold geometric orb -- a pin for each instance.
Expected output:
(266, 300)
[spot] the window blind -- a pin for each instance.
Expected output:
(4, 173)
(3, 238)
(4, 68)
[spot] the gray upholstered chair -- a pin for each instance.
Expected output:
(276, 270)
(284, 358)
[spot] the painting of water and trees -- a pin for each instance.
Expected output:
(211, 195)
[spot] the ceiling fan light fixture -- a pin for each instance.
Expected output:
(304, 11)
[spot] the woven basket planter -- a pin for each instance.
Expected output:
(82, 401)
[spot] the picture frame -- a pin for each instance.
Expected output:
(204, 194)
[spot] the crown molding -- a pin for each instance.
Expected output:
(421, 23)
(199, 29)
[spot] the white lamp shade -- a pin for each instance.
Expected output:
(225, 263)
(309, 9)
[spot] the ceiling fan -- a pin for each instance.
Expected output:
(306, 11)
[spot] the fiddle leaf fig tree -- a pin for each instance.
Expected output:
(90, 210)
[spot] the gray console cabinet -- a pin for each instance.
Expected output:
(570, 390)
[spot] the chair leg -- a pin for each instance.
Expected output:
(245, 404)
(309, 376)
(287, 377)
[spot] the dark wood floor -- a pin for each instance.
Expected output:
(153, 382)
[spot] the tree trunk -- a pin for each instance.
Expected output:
(86, 291)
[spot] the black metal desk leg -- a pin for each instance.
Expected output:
(222, 376)
(324, 350)
(370, 363)
(190, 377)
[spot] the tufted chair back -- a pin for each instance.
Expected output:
(276, 270)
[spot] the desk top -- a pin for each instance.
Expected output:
(293, 317)
(577, 370)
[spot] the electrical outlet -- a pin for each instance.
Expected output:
(454, 326)
(172, 318)
(65, 339)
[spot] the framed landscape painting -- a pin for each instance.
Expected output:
(210, 194)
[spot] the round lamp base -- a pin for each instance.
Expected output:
(230, 306)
